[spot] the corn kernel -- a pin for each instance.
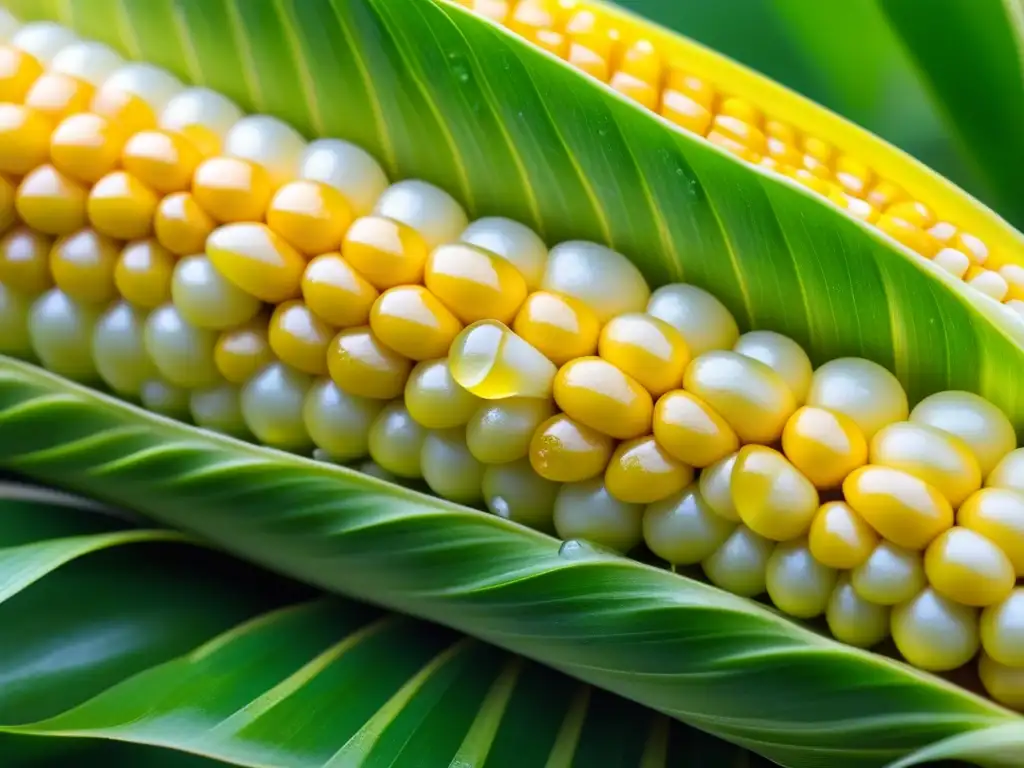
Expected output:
(690, 430)
(884, 194)
(182, 353)
(256, 260)
(902, 508)
(566, 451)
(1009, 472)
(914, 238)
(449, 469)
(143, 273)
(685, 111)
(639, 74)
(1013, 274)
(604, 280)
(914, 213)
(853, 175)
(586, 510)
(965, 566)
(854, 206)
(119, 350)
(935, 633)
(985, 429)
(997, 514)
(42, 39)
(839, 537)
(737, 147)
(299, 338)
(1004, 684)
(988, 282)
(349, 169)
(336, 292)
(796, 582)
(231, 190)
(646, 348)
(701, 318)
(683, 529)
(515, 492)
(641, 472)
(14, 327)
(953, 261)
(338, 423)
(86, 60)
(134, 94)
(50, 202)
(741, 109)
(181, 225)
(591, 54)
(825, 445)
(396, 441)
(121, 206)
(161, 160)
(500, 432)
(86, 146)
(784, 154)
(597, 394)
(18, 71)
(428, 210)
(1002, 629)
(697, 89)
(860, 390)
(772, 498)
(936, 457)
(740, 565)
(8, 213)
(310, 215)
(474, 284)
(494, 363)
(890, 575)
(385, 252)
(56, 95)
(411, 321)
(219, 409)
(206, 299)
(531, 16)
(516, 243)
(852, 619)
(972, 246)
(361, 365)
(436, 400)
(740, 131)
(749, 395)
(242, 352)
(83, 265)
(25, 261)
(561, 327)
(24, 139)
(716, 488)
(164, 398)
(272, 407)
(200, 107)
(782, 355)
(61, 331)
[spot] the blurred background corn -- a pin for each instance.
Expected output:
(217, 268)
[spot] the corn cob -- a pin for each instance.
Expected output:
(215, 267)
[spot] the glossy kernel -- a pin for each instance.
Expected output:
(904, 232)
(182, 353)
(597, 394)
(61, 334)
(18, 71)
(740, 565)
(436, 400)
(890, 575)
(256, 260)
(310, 215)
(782, 355)
(938, 458)
(1009, 472)
(396, 441)
(1003, 683)
(750, 396)
(385, 252)
(50, 202)
(361, 365)
(494, 363)
(513, 491)
(240, 353)
(561, 327)
(646, 348)
(143, 273)
(299, 338)
(449, 469)
(854, 620)
(474, 284)
(1002, 629)
(771, 497)
(603, 279)
(690, 430)
(839, 537)
(83, 266)
(683, 529)
(336, 292)
(231, 190)
(122, 207)
(702, 319)
(902, 508)
(641, 472)
(162, 160)
(86, 147)
(587, 511)
(935, 633)
(339, 423)
(861, 390)
(716, 487)
(273, 402)
(181, 225)
(57, 95)
(25, 261)
(500, 432)
(983, 427)
(826, 446)
(969, 568)
(412, 321)
(998, 515)
(796, 582)
(565, 451)
(24, 139)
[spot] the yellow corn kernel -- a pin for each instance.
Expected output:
(57, 95)
(735, 146)
(853, 176)
(449, 469)
(943, 232)
(231, 190)
(86, 146)
(603, 279)
(716, 487)
(587, 511)
(219, 409)
(24, 139)
(825, 445)
(561, 327)
(782, 355)
(890, 575)
(310, 215)
(1002, 629)
(8, 213)
(121, 206)
(162, 160)
(143, 273)
(852, 619)
(597, 394)
(915, 238)
(641, 472)
(740, 565)
(530, 17)
(639, 74)
(385, 252)
(50, 202)
(860, 390)
(565, 451)
(698, 90)
(647, 349)
(500, 432)
(361, 365)
(82, 265)
(884, 194)
(336, 292)
(474, 284)
(18, 71)
(902, 508)
(967, 567)
(985, 429)
(242, 352)
(256, 260)
(750, 396)
(1009, 472)
(436, 400)
(771, 496)
(818, 157)
(703, 320)
(813, 182)
(495, 10)
(839, 537)
(396, 441)
(934, 633)
(988, 282)
(972, 246)
(936, 457)
(738, 130)
(299, 338)
(516, 243)
(683, 529)
(411, 321)
(181, 352)
(796, 582)
(206, 299)
(427, 210)
(272, 407)
(854, 206)
(123, 107)
(591, 54)
(953, 261)
(1013, 274)
(914, 213)
(25, 261)
(61, 332)
(1004, 684)
(348, 168)
(742, 110)
(690, 430)
(494, 363)
(998, 515)
(338, 423)
(783, 154)
(685, 111)
(181, 225)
